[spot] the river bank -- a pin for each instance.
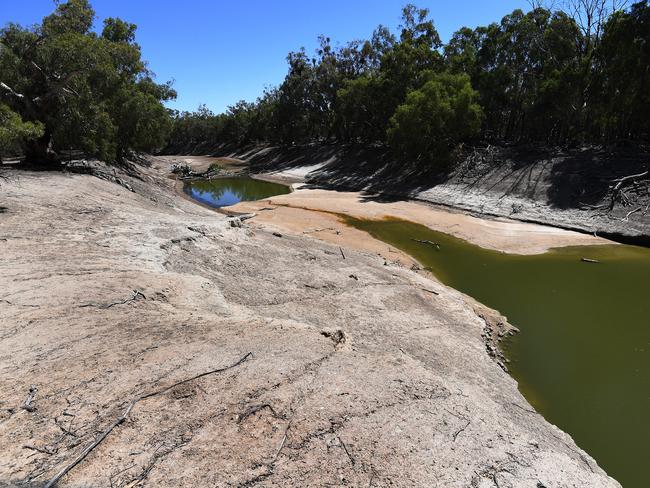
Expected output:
(552, 296)
(361, 372)
(565, 188)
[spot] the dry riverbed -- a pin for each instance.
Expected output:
(248, 359)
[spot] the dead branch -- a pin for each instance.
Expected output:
(127, 411)
(318, 230)
(340, 249)
(430, 291)
(243, 216)
(587, 260)
(434, 244)
(627, 217)
(618, 188)
(620, 181)
(254, 409)
(136, 294)
(284, 440)
(345, 448)
(43, 450)
(29, 401)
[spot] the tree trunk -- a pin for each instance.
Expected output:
(39, 151)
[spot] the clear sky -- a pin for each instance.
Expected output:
(221, 51)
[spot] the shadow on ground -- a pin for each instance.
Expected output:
(563, 179)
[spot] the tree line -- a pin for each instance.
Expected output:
(579, 74)
(561, 76)
(64, 86)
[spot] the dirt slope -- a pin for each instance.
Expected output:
(373, 381)
(563, 188)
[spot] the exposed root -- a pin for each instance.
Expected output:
(29, 401)
(134, 297)
(53, 481)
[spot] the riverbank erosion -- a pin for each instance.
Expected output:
(194, 350)
(591, 190)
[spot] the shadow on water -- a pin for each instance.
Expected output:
(583, 355)
(223, 192)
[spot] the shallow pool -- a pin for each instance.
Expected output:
(222, 192)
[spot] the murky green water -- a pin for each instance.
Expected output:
(582, 358)
(222, 192)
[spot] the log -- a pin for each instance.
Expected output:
(431, 243)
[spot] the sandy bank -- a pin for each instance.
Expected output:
(499, 234)
(358, 374)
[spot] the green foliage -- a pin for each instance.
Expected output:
(89, 92)
(13, 130)
(542, 76)
(435, 118)
(623, 85)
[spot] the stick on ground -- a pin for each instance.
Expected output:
(126, 413)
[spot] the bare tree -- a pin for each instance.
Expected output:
(590, 15)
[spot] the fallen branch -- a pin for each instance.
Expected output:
(340, 249)
(627, 217)
(430, 291)
(254, 409)
(29, 401)
(345, 448)
(243, 216)
(587, 260)
(434, 244)
(617, 189)
(317, 230)
(136, 294)
(620, 181)
(126, 413)
(43, 450)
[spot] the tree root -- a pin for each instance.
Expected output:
(125, 414)
(134, 297)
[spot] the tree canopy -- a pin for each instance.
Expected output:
(562, 76)
(81, 89)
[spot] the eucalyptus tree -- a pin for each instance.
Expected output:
(89, 91)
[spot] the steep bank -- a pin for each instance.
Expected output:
(568, 189)
(359, 375)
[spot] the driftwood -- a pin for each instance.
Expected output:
(317, 230)
(243, 216)
(127, 411)
(341, 249)
(434, 244)
(132, 298)
(617, 188)
(587, 260)
(29, 401)
(627, 217)
(430, 291)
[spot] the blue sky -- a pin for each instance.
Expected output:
(220, 51)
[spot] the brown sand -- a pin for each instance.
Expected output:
(499, 234)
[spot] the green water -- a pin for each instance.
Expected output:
(582, 358)
(222, 192)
